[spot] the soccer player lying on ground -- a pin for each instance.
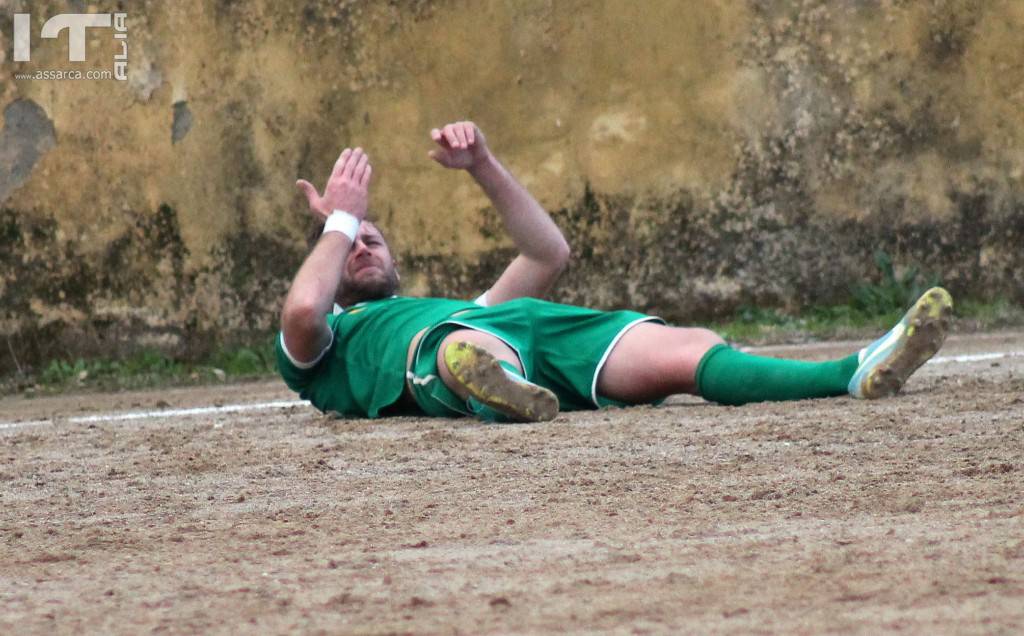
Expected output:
(509, 357)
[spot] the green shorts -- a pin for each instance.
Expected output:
(560, 347)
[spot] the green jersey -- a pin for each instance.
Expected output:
(560, 347)
(363, 370)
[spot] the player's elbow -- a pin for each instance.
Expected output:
(560, 256)
(305, 332)
(300, 317)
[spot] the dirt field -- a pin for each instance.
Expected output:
(831, 515)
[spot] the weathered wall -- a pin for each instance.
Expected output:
(699, 154)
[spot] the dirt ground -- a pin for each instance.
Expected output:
(833, 515)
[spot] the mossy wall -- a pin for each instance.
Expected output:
(698, 154)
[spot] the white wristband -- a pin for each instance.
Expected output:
(342, 221)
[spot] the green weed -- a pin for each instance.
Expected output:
(892, 292)
(873, 308)
(152, 368)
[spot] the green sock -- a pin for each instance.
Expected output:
(732, 377)
(483, 412)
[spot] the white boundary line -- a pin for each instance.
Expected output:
(139, 415)
(284, 404)
(975, 357)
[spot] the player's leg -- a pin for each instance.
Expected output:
(481, 369)
(491, 344)
(653, 361)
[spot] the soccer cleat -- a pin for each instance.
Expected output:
(885, 364)
(488, 383)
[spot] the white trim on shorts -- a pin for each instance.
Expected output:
(608, 351)
(428, 379)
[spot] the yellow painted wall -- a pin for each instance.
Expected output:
(699, 154)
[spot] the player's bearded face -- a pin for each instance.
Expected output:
(370, 272)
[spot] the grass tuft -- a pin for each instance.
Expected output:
(149, 368)
(873, 308)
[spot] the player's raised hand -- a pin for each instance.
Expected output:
(460, 145)
(347, 188)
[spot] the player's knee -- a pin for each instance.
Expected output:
(691, 346)
(493, 345)
(675, 362)
(697, 339)
(708, 338)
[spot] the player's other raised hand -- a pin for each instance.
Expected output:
(460, 145)
(347, 188)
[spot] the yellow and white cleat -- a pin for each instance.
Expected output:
(494, 387)
(885, 364)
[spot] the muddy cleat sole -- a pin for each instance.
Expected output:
(886, 363)
(484, 379)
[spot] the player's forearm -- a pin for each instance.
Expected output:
(528, 224)
(311, 296)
